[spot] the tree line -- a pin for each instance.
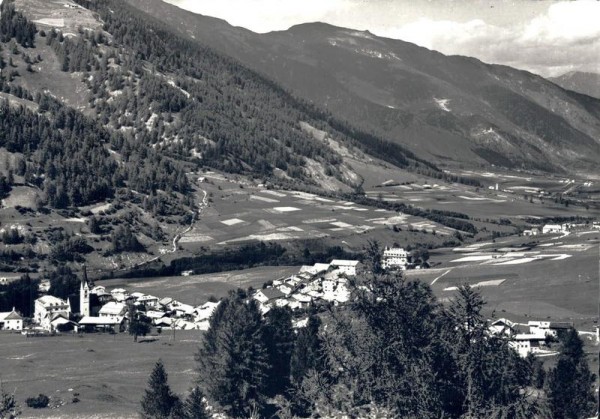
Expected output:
(393, 351)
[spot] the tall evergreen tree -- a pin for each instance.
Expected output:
(194, 406)
(279, 340)
(308, 350)
(158, 401)
(233, 360)
(569, 384)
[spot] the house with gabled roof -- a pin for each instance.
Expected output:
(46, 307)
(268, 295)
(347, 267)
(11, 320)
(113, 310)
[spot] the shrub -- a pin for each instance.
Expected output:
(39, 402)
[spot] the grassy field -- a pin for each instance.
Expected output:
(108, 372)
(555, 278)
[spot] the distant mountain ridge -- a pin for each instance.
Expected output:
(580, 82)
(451, 109)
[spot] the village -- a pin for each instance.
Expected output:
(98, 309)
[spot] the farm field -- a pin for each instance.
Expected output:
(109, 372)
(524, 278)
(482, 203)
(241, 212)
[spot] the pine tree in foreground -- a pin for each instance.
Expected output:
(194, 406)
(570, 383)
(159, 401)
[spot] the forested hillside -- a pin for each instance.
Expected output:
(153, 90)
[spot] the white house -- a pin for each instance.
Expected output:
(44, 286)
(206, 310)
(148, 301)
(347, 267)
(531, 232)
(395, 257)
(119, 294)
(315, 269)
(47, 307)
(268, 295)
(552, 228)
(502, 327)
(11, 320)
(113, 310)
(525, 343)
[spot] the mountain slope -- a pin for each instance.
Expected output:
(454, 109)
(185, 101)
(580, 82)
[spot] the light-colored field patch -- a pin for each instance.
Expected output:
(290, 228)
(56, 22)
(472, 198)
(275, 193)
(516, 261)
(397, 219)
(561, 257)
(75, 220)
(319, 220)
(318, 198)
(360, 209)
(476, 258)
(103, 207)
(195, 239)
(341, 224)
(577, 247)
(490, 283)
(266, 224)
(263, 198)
(286, 209)
(232, 221)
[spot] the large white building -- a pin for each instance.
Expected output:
(552, 228)
(395, 257)
(113, 310)
(347, 267)
(47, 308)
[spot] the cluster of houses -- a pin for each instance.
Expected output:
(321, 281)
(532, 337)
(100, 309)
(555, 229)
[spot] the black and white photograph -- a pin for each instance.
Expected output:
(283, 209)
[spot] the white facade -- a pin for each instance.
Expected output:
(46, 309)
(525, 344)
(552, 228)
(11, 320)
(113, 310)
(347, 267)
(395, 257)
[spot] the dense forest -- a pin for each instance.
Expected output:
(156, 95)
(393, 351)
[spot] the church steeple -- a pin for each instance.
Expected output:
(84, 294)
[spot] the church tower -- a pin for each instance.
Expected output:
(84, 294)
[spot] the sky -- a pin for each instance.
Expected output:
(546, 37)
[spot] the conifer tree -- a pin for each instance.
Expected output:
(194, 406)
(279, 340)
(158, 401)
(233, 361)
(569, 384)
